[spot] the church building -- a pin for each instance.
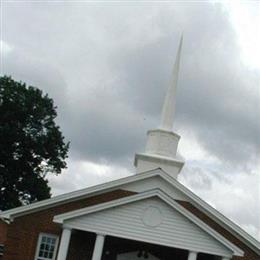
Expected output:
(149, 215)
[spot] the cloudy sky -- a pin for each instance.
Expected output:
(107, 66)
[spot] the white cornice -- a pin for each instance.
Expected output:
(161, 159)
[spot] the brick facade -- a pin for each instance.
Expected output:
(22, 235)
(249, 253)
(3, 230)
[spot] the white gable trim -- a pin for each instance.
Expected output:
(153, 193)
(109, 186)
(215, 215)
(75, 195)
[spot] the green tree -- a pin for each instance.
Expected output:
(31, 144)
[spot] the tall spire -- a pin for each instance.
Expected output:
(168, 111)
(162, 143)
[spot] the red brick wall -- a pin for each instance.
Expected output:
(3, 230)
(249, 253)
(22, 234)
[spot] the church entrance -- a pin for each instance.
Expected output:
(82, 245)
(125, 249)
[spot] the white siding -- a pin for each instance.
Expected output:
(127, 221)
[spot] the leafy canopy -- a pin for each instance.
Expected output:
(31, 144)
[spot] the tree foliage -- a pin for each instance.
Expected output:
(31, 144)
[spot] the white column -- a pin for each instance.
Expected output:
(98, 248)
(64, 244)
(192, 255)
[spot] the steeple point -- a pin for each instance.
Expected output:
(169, 105)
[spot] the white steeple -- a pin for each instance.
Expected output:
(162, 143)
(168, 111)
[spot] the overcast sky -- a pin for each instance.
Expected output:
(107, 66)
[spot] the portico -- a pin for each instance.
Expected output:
(112, 248)
(149, 225)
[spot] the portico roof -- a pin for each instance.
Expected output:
(168, 224)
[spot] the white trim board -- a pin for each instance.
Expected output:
(109, 186)
(70, 219)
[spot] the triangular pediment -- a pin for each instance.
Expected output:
(151, 217)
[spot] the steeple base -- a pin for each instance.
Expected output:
(162, 142)
(146, 162)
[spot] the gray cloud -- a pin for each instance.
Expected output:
(116, 74)
(108, 66)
